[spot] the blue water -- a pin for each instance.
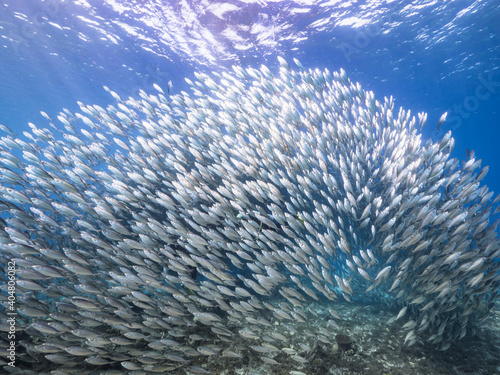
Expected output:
(431, 56)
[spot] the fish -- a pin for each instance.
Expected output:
(442, 119)
(192, 224)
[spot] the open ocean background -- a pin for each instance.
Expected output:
(431, 56)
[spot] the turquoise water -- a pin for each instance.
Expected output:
(431, 57)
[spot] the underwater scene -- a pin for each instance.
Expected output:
(249, 187)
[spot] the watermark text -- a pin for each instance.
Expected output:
(11, 313)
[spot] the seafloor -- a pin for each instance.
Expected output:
(377, 349)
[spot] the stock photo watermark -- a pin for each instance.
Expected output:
(35, 22)
(11, 313)
(486, 86)
(364, 36)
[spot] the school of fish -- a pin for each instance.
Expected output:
(161, 231)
